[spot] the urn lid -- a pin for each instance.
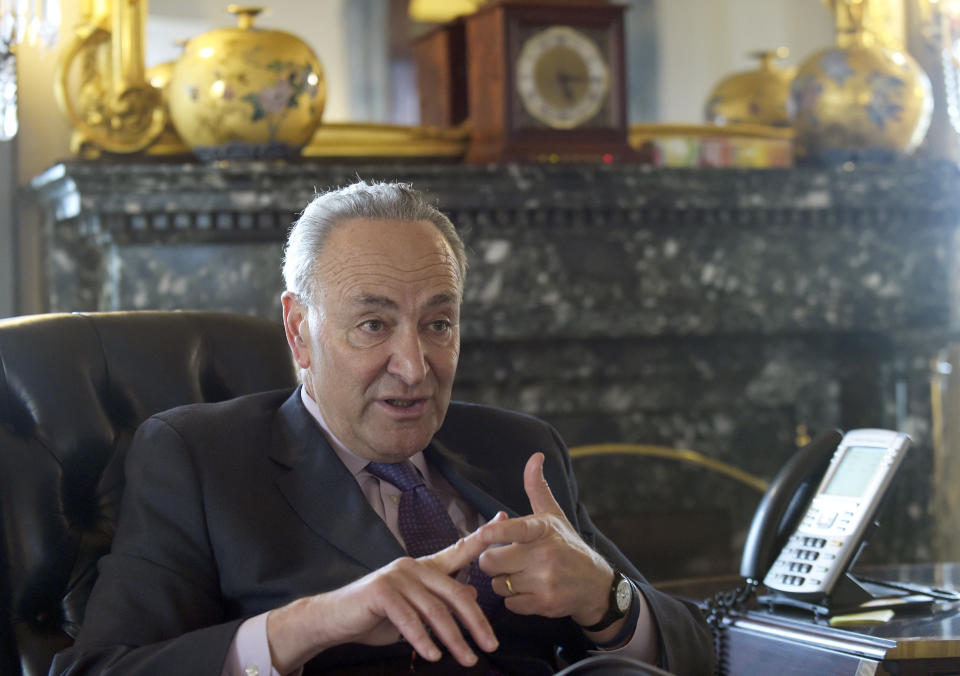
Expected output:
(246, 31)
(753, 97)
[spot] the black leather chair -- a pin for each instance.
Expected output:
(73, 389)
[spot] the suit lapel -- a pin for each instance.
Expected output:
(474, 484)
(324, 493)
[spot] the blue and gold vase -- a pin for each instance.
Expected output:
(859, 100)
(246, 93)
(753, 97)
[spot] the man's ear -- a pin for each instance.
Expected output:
(296, 326)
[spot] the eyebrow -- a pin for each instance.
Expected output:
(384, 301)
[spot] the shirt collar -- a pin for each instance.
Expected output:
(353, 462)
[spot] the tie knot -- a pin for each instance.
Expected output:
(403, 475)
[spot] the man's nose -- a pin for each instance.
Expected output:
(407, 358)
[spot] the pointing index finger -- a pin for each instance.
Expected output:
(459, 554)
(509, 531)
(464, 550)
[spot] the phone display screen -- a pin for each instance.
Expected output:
(855, 471)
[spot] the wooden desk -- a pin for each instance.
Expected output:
(786, 643)
(926, 643)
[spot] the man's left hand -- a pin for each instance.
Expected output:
(551, 571)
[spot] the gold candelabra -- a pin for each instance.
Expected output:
(101, 84)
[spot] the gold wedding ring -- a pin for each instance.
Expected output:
(506, 580)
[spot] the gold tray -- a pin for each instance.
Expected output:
(356, 139)
(642, 132)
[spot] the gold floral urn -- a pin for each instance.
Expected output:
(753, 97)
(859, 100)
(246, 93)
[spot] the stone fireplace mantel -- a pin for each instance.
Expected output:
(709, 309)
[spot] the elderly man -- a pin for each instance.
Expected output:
(363, 523)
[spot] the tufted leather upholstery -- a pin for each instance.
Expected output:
(73, 389)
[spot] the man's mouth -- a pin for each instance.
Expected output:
(402, 403)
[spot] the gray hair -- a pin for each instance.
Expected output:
(361, 200)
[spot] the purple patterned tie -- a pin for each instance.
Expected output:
(426, 526)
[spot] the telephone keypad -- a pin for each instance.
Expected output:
(807, 560)
(797, 580)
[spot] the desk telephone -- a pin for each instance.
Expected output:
(809, 528)
(816, 517)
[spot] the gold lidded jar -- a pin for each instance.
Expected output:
(753, 97)
(246, 92)
(859, 100)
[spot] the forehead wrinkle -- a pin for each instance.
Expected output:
(364, 286)
(380, 277)
(362, 273)
(374, 300)
(360, 261)
(443, 299)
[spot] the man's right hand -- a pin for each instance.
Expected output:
(399, 601)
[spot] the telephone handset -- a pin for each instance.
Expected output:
(815, 517)
(779, 511)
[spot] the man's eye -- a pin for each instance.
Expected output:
(372, 325)
(440, 325)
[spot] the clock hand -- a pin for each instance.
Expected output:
(565, 79)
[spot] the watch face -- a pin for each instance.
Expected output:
(624, 594)
(562, 77)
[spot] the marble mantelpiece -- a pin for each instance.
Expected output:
(691, 252)
(715, 310)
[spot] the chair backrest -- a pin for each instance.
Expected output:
(675, 513)
(73, 389)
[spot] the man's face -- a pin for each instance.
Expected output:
(380, 345)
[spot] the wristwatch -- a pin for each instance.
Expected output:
(621, 598)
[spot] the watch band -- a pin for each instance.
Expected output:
(613, 614)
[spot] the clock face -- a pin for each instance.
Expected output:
(562, 77)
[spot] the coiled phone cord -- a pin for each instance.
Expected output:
(716, 610)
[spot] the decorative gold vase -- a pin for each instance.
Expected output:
(246, 93)
(753, 97)
(859, 100)
(169, 141)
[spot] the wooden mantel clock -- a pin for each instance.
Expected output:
(546, 82)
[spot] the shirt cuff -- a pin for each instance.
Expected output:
(249, 653)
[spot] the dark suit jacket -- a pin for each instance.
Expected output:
(235, 508)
